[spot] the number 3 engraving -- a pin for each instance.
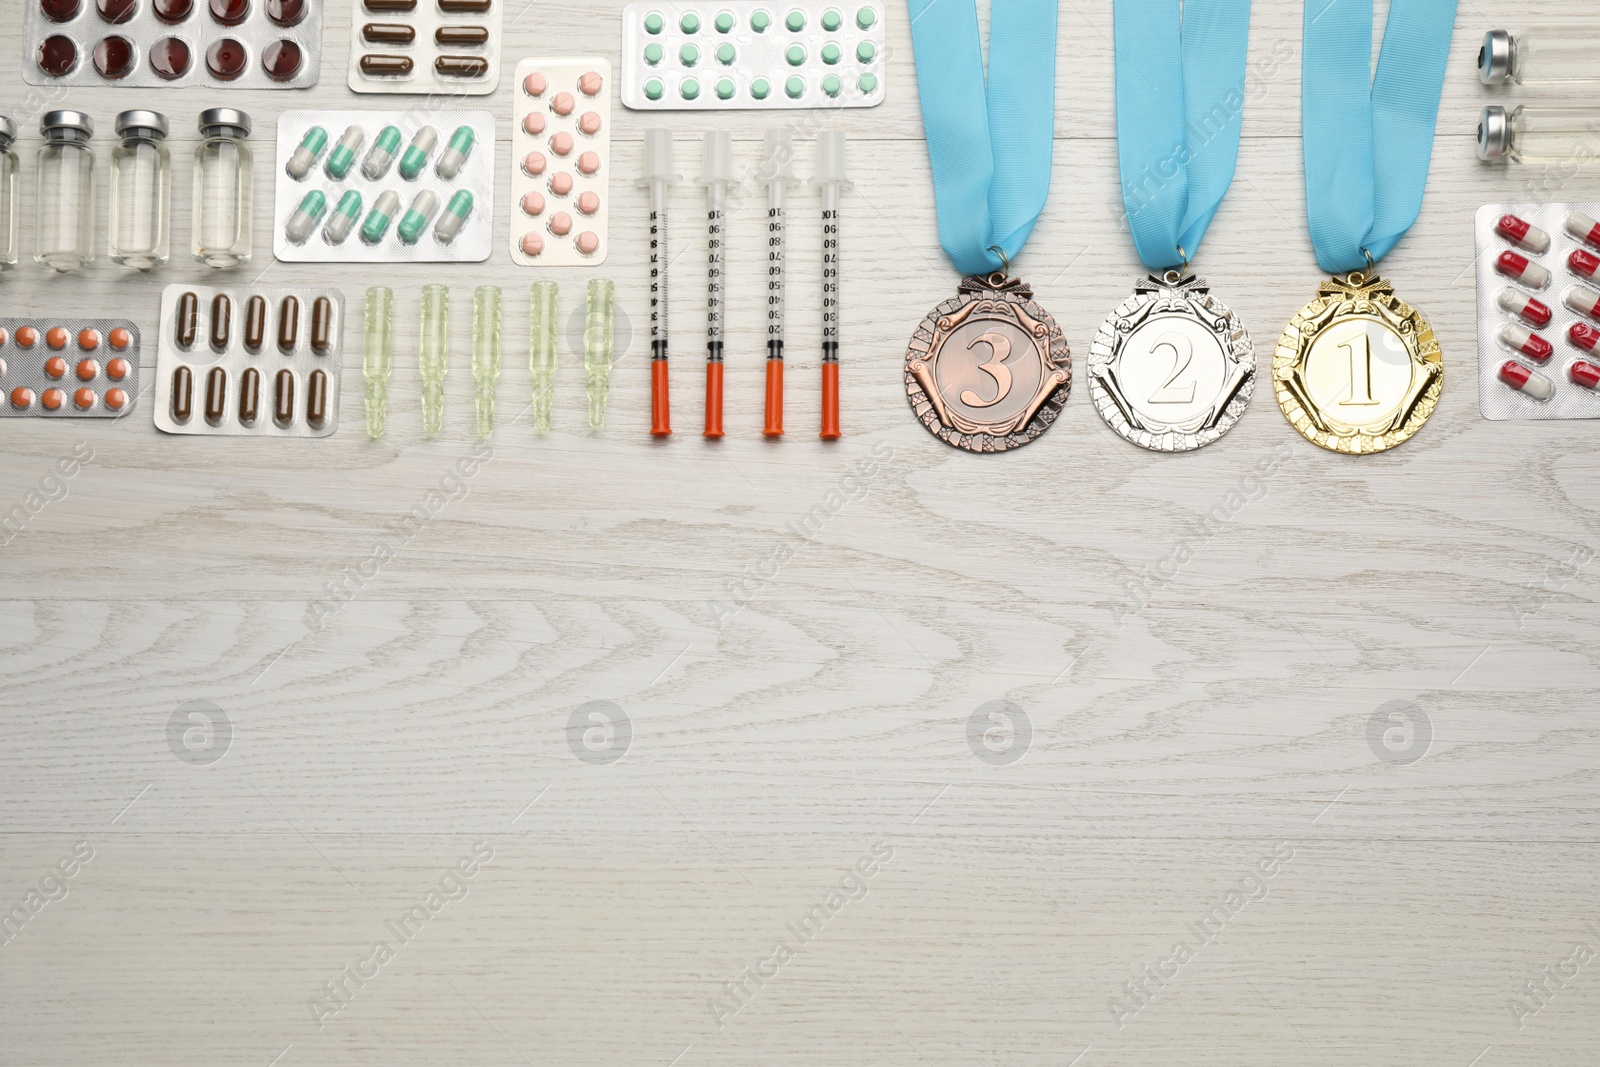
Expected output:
(995, 367)
(1182, 353)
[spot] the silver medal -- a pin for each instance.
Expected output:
(1171, 369)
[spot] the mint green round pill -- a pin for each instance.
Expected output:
(868, 83)
(690, 23)
(831, 85)
(725, 22)
(795, 87)
(690, 89)
(796, 55)
(725, 89)
(865, 52)
(866, 18)
(760, 88)
(760, 21)
(653, 89)
(831, 19)
(654, 23)
(796, 21)
(654, 53)
(831, 53)
(688, 55)
(725, 54)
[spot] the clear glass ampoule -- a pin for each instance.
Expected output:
(1548, 55)
(1540, 133)
(8, 194)
(65, 237)
(140, 190)
(223, 187)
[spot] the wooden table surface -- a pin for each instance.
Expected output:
(1297, 759)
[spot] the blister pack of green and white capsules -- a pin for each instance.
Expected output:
(412, 186)
(753, 55)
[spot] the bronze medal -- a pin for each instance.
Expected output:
(988, 370)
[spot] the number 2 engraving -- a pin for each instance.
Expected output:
(1360, 372)
(995, 367)
(1182, 354)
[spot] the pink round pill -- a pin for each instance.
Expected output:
(535, 84)
(533, 125)
(533, 163)
(591, 84)
(561, 224)
(589, 122)
(561, 143)
(563, 104)
(561, 183)
(532, 244)
(589, 162)
(588, 203)
(587, 243)
(533, 204)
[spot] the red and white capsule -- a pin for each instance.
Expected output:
(1584, 228)
(1531, 345)
(1584, 336)
(1526, 380)
(1584, 301)
(1523, 234)
(1584, 264)
(1520, 268)
(1535, 313)
(1584, 373)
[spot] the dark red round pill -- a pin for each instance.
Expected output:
(286, 12)
(60, 10)
(226, 59)
(117, 12)
(169, 58)
(173, 12)
(230, 12)
(281, 60)
(113, 57)
(57, 56)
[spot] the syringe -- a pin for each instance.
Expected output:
(778, 166)
(717, 176)
(658, 176)
(831, 177)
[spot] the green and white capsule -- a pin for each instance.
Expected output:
(416, 219)
(381, 154)
(417, 153)
(343, 156)
(306, 217)
(305, 156)
(455, 153)
(456, 213)
(379, 218)
(344, 218)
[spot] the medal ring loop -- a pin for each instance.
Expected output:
(1005, 260)
(1183, 254)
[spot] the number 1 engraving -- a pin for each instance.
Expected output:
(1360, 372)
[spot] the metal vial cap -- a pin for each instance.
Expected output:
(66, 120)
(1494, 133)
(217, 120)
(1496, 58)
(149, 123)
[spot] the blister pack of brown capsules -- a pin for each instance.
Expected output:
(147, 44)
(450, 47)
(243, 361)
(61, 367)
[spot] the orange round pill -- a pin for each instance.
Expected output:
(88, 339)
(87, 369)
(53, 399)
(55, 367)
(120, 338)
(3, 336)
(117, 369)
(115, 399)
(84, 398)
(56, 337)
(27, 336)
(21, 398)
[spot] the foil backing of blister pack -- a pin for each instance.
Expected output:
(228, 348)
(427, 21)
(691, 63)
(148, 48)
(472, 244)
(561, 198)
(87, 370)
(1496, 399)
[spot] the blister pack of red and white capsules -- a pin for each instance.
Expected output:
(68, 367)
(1539, 311)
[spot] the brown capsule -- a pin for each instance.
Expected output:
(321, 325)
(385, 66)
(461, 66)
(461, 36)
(255, 323)
(249, 396)
(388, 33)
(221, 321)
(283, 401)
(182, 393)
(387, 7)
(465, 7)
(187, 321)
(288, 324)
(216, 394)
(317, 398)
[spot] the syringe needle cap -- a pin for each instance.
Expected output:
(719, 157)
(777, 162)
(658, 157)
(830, 158)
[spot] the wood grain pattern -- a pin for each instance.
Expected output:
(799, 635)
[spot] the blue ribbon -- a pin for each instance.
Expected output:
(1180, 99)
(1367, 149)
(970, 127)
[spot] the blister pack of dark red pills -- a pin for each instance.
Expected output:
(1539, 311)
(68, 367)
(223, 44)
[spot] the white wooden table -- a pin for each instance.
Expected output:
(1178, 742)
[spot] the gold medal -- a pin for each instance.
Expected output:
(1358, 369)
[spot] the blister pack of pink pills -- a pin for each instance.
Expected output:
(1539, 311)
(560, 161)
(66, 367)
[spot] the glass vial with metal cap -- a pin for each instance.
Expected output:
(66, 204)
(8, 194)
(1541, 134)
(140, 189)
(1556, 55)
(223, 187)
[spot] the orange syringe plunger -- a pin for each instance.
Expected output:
(778, 166)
